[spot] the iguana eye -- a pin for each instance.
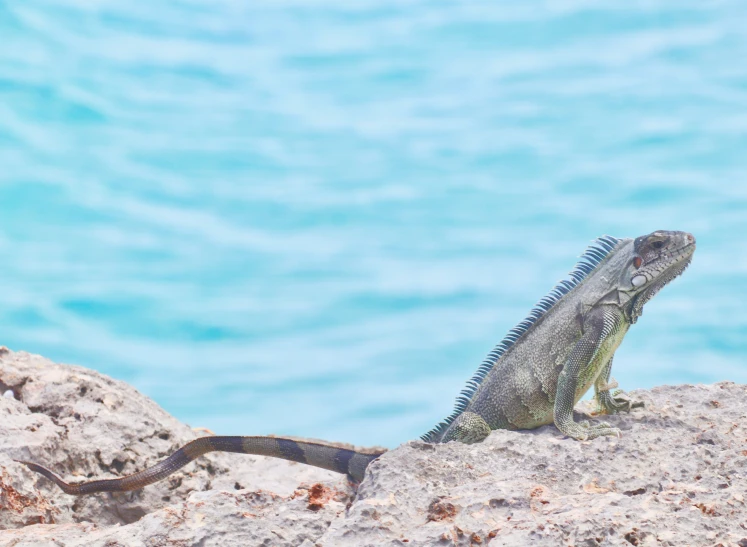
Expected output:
(637, 261)
(657, 244)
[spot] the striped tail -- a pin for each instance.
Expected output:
(326, 456)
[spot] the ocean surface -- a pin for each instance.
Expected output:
(316, 217)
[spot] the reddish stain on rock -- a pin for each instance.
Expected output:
(318, 496)
(12, 500)
(440, 510)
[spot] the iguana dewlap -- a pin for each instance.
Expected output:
(533, 377)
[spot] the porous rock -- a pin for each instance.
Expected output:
(677, 476)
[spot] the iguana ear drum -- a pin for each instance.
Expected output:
(637, 261)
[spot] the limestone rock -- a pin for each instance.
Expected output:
(83, 424)
(677, 476)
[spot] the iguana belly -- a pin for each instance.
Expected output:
(591, 372)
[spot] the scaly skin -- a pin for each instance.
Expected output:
(327, 456)
(545, 372)
(533, 378)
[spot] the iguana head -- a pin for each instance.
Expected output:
(657, 258)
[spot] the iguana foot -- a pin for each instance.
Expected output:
(584, 431)
(609, 404)
(468, 428)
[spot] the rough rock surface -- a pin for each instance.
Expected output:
(677, 476)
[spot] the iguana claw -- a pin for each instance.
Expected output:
(584, 431)
(609, 404)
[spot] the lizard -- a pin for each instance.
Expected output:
(533, 377)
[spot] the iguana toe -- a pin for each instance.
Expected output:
(612, 405)
(584, 431)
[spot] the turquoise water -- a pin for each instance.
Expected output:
(316, 218)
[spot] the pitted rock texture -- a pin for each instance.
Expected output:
(677, 476)
(85, 425)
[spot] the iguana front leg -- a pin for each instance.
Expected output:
(599, 324)
(608, 403)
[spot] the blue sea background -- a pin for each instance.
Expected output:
(316, 217)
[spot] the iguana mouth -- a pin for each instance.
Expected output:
(682, 254)
(675, 269)
(685, 251)
(678, 256)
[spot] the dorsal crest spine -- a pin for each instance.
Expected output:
(587, 263)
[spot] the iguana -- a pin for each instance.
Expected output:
(533, 377)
